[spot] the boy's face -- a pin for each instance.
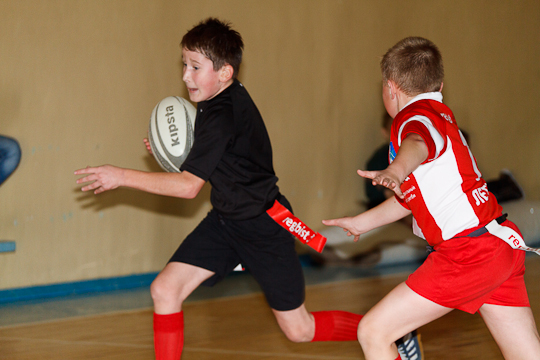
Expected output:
(202, 82)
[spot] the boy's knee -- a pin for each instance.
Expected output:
(157, 290)
(163, 293)
(363, 332)
(369, 334)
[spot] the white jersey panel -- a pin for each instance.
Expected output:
(451, 210)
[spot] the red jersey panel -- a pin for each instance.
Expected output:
(446, 194)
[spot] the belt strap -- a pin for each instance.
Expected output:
(510, 236)
(506, 234)
(483, 230)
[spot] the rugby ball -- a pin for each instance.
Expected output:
(170, 133)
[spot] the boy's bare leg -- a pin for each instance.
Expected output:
(298, 324)
(398, 313)
(514, 330)
(174, 284)
(169, 290)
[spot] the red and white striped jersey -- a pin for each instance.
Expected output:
(446, 194)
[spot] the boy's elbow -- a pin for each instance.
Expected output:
(193, 187)
(188, 185)
(191, 193)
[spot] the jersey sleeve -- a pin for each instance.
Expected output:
(213, 134)
(424, 127)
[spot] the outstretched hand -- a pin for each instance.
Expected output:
(411, 154)
(103, 178)
(386, 178)
(347, 224)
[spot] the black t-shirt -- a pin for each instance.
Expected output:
(232, 150)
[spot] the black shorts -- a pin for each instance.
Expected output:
(261, 245)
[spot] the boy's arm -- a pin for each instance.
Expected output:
(387, 212)
(107, 177)
(412, 152)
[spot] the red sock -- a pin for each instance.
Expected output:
(168, 336)
(336, 326)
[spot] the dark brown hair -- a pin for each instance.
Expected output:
(415, 65)
(217, 41)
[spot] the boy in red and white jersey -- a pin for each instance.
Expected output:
(478, 262)
(465, 202)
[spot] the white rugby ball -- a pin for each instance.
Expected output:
(170, 133)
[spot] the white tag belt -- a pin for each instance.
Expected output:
(509, 236)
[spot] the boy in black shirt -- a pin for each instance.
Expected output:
(232, 151)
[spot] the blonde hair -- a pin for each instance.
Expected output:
(415, 65)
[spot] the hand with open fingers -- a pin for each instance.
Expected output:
(148, 147)
(386, 178)
(347, 224)
(102, 178)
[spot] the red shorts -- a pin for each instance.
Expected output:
(466, 272)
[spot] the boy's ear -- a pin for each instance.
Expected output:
(226, 73)
(442, 84)
(393, 88)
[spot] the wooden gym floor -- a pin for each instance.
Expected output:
(238, 327)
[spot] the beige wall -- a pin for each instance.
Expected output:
(78, 80)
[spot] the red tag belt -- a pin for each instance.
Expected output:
(295, 226)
